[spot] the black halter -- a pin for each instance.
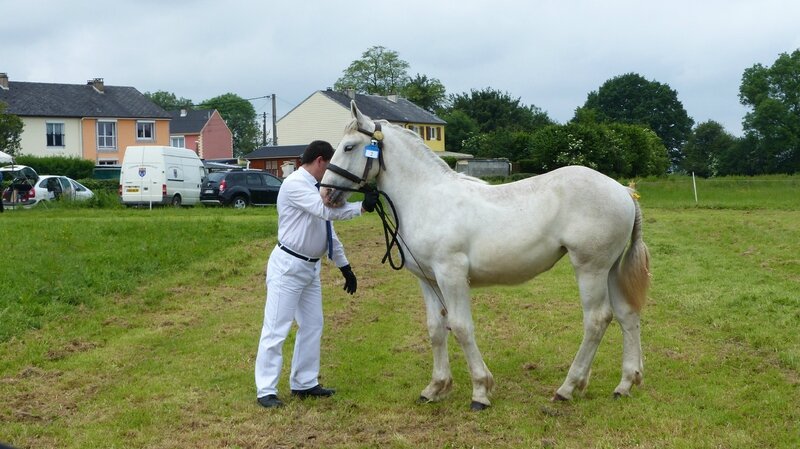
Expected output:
(361, 182)
(390, 228)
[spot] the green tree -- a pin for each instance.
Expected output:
(168, 101)
(427, 93)
(742, 158)
(379, 72)
(494, 110)
(460, 127)
(706, 145)
(10, 131)
(512, 145)
(773, 125)
(632, 99)
(618, 150)
(240, 116)
(643, 152)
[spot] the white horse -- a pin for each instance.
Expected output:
(461, 232)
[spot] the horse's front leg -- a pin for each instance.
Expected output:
(454, 283)
(442, 380)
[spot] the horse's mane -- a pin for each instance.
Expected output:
(422, 150)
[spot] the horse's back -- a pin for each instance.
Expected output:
(570, 192)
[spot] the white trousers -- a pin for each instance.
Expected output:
(294, 293)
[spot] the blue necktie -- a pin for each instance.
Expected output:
(329, 231)
(329, 235)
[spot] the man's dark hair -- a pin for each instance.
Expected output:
(316, 149)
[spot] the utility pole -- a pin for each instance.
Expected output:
(274, 123)
(264, 129)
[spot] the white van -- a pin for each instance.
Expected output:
(160, 175)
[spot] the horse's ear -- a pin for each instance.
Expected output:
(360, 118)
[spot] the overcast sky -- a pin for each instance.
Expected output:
(550, 54)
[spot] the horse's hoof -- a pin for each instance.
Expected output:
(618, 395)
(558, 398)
(478, 406)
(423, 400)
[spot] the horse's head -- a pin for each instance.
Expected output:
(356, 161)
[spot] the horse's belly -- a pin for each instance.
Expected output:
(499, 266)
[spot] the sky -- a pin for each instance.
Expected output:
(549, 54)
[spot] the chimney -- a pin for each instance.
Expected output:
(351, 93)
(4, 81)
(97, 83)
(183, 112)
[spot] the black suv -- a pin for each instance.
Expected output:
(240, 188)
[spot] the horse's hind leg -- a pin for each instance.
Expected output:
(593, 286)
(441, 380)
(628, 318)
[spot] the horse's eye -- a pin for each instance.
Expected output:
(349, 147)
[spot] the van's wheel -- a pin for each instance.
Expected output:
(240, 202)
(176, 201)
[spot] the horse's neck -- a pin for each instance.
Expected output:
(410, 170)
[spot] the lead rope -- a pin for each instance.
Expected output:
(391, 232)
(393, 229)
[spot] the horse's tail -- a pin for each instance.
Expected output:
(634, 271)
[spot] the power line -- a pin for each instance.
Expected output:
(234, 101)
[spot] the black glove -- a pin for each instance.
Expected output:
(370, 200)
(350, 282)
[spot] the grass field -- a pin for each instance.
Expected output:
(138, 329)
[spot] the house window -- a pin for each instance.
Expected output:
(417, 129)
(106, 135)
(178, 141)
(145, 130)
(55, 134)
(108, 162)
(432, 133)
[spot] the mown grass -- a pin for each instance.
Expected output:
(763, 192)
(157, 351)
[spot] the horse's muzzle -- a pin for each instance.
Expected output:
(332, 197)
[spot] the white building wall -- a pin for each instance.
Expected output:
(317, 118)
(33, 140)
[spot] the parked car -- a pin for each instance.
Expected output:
(19, 179)
(45, 188)
(21, 172)
(240, 188)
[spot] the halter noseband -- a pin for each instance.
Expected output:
(377, 136)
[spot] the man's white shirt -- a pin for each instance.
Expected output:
(302, 216)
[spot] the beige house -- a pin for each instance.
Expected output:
(325, 114)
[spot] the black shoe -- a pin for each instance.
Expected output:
(316, 392)
(270, 401)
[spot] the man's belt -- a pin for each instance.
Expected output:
(299, 256)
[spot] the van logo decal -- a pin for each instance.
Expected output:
(142, 172)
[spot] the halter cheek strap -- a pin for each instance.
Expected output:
(362, 181)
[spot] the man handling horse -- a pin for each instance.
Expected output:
(294, 291)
